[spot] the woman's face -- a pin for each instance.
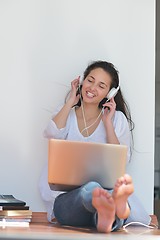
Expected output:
(96, 86)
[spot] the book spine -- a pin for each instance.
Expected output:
(13, 224)
(15, 213)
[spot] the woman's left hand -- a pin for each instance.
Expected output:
(109, 110)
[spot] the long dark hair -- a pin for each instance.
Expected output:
(121, 104)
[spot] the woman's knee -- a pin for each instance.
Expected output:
(86, 195)
(90, 186)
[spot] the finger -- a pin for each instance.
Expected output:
(75, 83)
(106, 110)
(108, 105)
(112, 100)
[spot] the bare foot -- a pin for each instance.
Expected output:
(104, 204)
(122, 190)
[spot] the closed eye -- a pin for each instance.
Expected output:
(102, 86)
(89, 80)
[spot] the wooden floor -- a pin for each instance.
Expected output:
(41, 229)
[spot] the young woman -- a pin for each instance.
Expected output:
(94, 111)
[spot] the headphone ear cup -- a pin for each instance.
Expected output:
(112, 93)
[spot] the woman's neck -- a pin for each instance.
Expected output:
(88, 118)
(91, 111)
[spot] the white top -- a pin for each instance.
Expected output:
(71, 132)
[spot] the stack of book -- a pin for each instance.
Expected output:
(14, 212)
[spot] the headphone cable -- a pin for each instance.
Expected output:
(86, 128)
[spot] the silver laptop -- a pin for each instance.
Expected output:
(72, 164)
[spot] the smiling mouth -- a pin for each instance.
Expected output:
(89, 94)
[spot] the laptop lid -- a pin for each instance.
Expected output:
(72, 163)
(10, 200)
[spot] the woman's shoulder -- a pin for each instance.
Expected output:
(120, 117)
(119, 114)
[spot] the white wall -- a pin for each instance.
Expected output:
(157, 100)
(45, 44)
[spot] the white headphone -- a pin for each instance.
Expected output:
(112, 93)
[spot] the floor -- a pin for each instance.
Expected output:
(42, 230)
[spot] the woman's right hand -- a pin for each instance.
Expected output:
(61, 118)
(73, 99)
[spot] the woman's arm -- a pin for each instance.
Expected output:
(117, 128)
(56, 127)
(107, 118)
(61, 118)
